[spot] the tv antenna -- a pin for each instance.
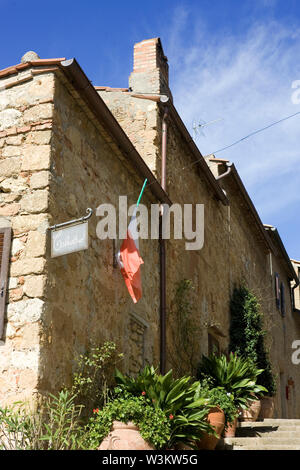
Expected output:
(200, 124)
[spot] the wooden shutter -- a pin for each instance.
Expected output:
(5, 240)
(277, 290)
(282, 295)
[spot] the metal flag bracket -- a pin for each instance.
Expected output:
(74, 221)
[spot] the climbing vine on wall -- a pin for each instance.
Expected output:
(247, 334)
(184, 330)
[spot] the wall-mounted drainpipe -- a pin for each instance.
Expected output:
(162, 251)
(227, 172)
(293, 294)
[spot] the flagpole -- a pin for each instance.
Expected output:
(141, 193)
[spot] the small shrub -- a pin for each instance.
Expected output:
(54, 426)
(94, 376)
(152, 423)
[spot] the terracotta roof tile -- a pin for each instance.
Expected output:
(108, 88)
(35, 63)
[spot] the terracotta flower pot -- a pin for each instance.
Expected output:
(267, 408)
(216, 419)
(231, 429)
(251, 414)
(124, 437)
(181, 446)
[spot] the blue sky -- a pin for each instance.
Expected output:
(229, 59)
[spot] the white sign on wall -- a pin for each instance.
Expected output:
(69, 239)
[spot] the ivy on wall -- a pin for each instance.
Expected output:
(247, 334)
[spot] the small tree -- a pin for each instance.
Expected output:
(247, 334)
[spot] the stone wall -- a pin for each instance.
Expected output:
(87, 298)
(234, 252)
(55, 162)
(232, 249)
(26, 110)
(282, 331)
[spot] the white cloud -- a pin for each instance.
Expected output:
(247, 81)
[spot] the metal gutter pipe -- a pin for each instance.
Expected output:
(162, 249)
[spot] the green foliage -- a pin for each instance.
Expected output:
(19, 429)
(93, 378)
(178, 398)
(153, 424)
(183, 347)
(54, 426)
(219, 397)
(165, 392)
(247, 334)
(61, 427)
(235, 374)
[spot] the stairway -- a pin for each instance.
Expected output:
(269, 434)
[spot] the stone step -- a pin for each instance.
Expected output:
(266, 447)
(269, 422)
(258, 441)
(269, 434)
(284, 434)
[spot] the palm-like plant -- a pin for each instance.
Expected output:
(165, 392)
(180, 400)
(235, 374)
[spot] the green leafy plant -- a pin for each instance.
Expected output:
(20, 428)
(54, 426)
(94, 376)
(153, 424)
(235, 374)
(219, 397)
(165, 392)
(178, 398)
(247, 334)
(61, 427)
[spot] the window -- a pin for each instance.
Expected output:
(137, 331)
(5, 240)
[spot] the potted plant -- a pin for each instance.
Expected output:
(128, 422)
(179, 400)
(221, 415)
(236, 375)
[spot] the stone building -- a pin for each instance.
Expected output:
(65, 146)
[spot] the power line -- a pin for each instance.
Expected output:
(235, 143)
(247, 136)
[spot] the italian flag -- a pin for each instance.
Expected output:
(129, 257)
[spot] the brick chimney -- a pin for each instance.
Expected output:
(150, 68)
